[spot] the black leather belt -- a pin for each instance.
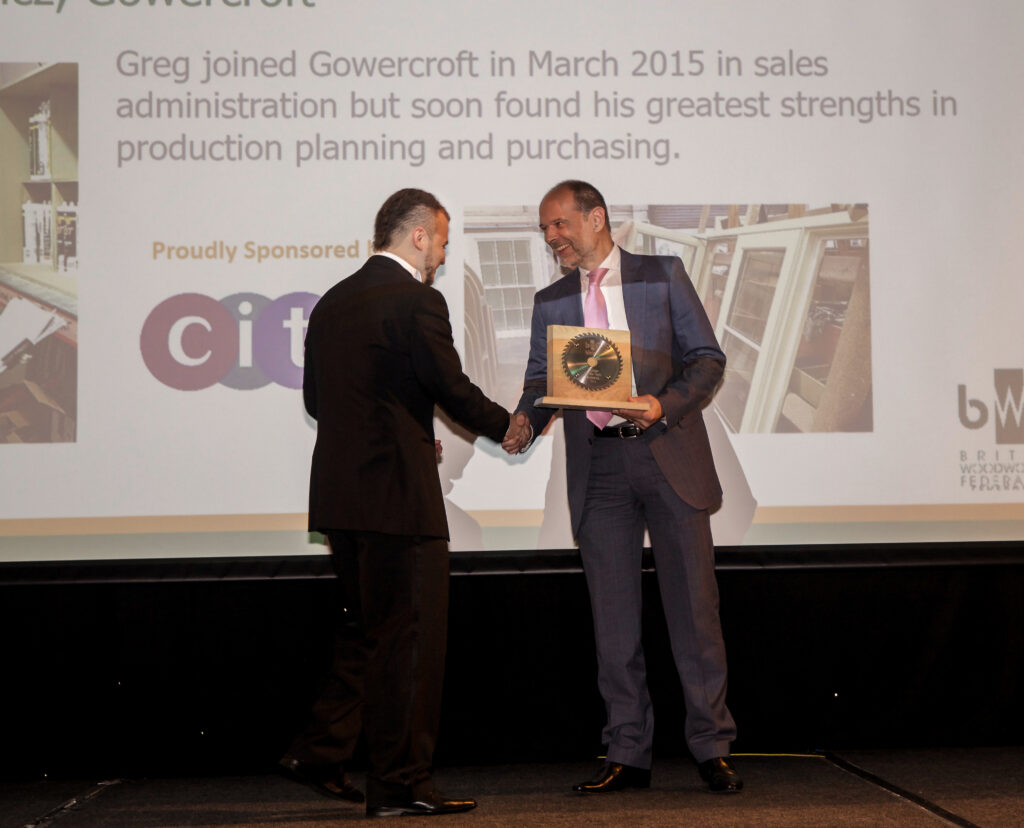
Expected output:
(623, 431)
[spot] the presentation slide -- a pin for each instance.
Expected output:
(181, 180)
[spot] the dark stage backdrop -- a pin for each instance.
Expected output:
(114, 675)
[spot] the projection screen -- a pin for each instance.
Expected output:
(180, 180)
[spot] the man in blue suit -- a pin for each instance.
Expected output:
(648, 468)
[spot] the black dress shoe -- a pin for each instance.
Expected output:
(431, 804)
(326, 779)
(615, 777)
(720, 775)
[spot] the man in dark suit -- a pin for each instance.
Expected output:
(650, 467)
(378, 357)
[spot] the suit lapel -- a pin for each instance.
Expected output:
(570, 298)
(634, 298)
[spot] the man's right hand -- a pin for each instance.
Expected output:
(519, 435)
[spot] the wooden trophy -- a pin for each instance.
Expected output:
(589, 368)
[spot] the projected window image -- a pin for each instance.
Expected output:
(755, 289)
(731, 400)
(506, 269)
(786, 288)
(745, 326)
(718, 278)
(784, 285)
(830, 387)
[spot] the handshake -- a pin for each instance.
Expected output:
(517, 438)
(519, 434)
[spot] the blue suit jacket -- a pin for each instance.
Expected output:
(675, 357)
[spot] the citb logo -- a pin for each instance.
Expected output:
(1008, 406)
(245, 341)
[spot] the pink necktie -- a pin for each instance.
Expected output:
(595, 315)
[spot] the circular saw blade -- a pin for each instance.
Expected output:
(591, 361)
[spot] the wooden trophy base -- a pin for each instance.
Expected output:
(594, 405)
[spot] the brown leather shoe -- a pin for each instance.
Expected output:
(720, 775)
(326, 779)
(615, 777)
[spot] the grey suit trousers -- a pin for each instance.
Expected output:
(626, 491)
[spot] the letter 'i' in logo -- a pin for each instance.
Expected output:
(1009, 406)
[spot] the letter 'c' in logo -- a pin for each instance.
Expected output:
(244, 341)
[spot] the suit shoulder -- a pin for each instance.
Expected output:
(369, 290)
(649, 259)
(565, 286)
(429, 298)
(653, 269)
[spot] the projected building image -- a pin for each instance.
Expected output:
(38, 252)
(786, 287)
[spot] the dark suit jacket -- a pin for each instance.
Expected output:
(675, 357)
(379, 356)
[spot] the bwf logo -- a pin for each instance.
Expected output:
(1008, 406)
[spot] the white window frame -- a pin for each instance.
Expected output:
(541, 265)
(804, 242)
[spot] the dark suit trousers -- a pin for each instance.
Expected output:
(625, 491)
(388, 666)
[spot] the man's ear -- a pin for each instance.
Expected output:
(598, 218)
(420, 238)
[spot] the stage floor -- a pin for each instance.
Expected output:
(964, 787)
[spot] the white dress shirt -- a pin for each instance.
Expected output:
(411, 270)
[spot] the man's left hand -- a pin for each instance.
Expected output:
(644, 419)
